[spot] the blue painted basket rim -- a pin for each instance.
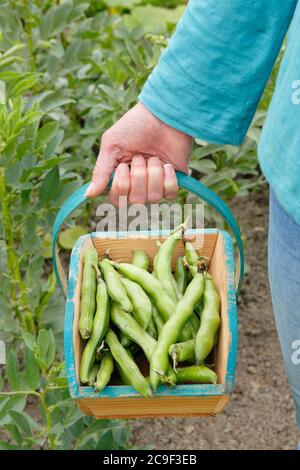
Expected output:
(115, 391)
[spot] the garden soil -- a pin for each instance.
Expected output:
(260, 414)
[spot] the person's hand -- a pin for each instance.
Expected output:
(152, 149)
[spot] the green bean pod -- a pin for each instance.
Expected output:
(115, 287)
(124, 340)
(181, 352)
(164, 304)
(129, 367)
(162, 263)
(124, 379)
(157, 320)
(210, 321)
(93, 374)
(190, 254)
(128, 325)
(152, 286)
(88, 292)
(105, 371)
(142, 307)
(196, 374)
(152, 329)
(171, 330)
(181, 275)
(140, 259)
(100, 326)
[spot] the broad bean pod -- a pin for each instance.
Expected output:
(88, 292)
(105, 371)
(140, 259)
(171, 330)
(196, 374)
(142, 307)
(152, 286)
(129, 367)
(128, 325)
(210, 321)
(115, 287)
(100, 326)
(162, 263)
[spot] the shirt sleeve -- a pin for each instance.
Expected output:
(209, 80)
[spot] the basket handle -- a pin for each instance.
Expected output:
(184, 181)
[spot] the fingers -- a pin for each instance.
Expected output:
(170, 182)
(138, 180)
(103, 169)
(120, 186)
(155, 189)
(143, 182)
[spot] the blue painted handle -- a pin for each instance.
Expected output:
(184, 181)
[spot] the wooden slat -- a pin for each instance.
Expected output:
(152, 407)
(218, 272)
(121, 249)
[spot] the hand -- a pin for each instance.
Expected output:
(152, 148)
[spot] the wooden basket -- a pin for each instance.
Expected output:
(182, 400)
(117, 401)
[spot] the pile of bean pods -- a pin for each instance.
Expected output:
(127, 313)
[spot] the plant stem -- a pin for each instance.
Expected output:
(47, 412)
(21, 392)
(28, 34)
(13, 260)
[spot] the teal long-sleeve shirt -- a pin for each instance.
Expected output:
(209, 80)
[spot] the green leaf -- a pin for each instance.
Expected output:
(16, 403)
(6, 446)
(12, 371)
(53, 143)
(49, 187)
(13, 430)
(32, 372)
(46, 348)
(29, 340)
(23, 85)
(68, 237)
(45, 133)
(206, 150)
(21, 421)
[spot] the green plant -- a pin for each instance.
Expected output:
(42, 385)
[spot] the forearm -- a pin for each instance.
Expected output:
(210, 79)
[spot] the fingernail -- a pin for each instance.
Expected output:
(138, 160)
(168, 169)
(89, 190)
(122, 169)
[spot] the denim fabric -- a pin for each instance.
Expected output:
(284, 277)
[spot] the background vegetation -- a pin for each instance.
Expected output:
(68, 70)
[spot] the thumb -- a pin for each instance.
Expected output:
(103, 169)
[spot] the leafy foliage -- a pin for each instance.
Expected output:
(42, 384)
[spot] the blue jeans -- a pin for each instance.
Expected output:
(284, 278)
